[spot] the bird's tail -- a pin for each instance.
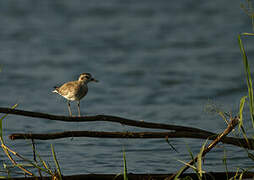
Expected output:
(55, 89)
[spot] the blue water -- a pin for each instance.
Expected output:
(157, 61)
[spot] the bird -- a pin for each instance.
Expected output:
(75, 90)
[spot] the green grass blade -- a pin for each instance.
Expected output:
(236, 174)
(192, 158)
(199, 160)
(242, 102)
(247, 34)
(241, 176)
(245, 136)
(183, 168)
(56, 162)
(224, 160)
(199, 163)
(125, 172)
(117, 175)
(187, 164)
(191, 154)
(1, 124)
(47, 169)
(248, 76)
(179, 172)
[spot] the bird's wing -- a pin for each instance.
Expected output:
(67, 88)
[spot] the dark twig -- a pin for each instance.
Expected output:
(102, 134)
(34, 154)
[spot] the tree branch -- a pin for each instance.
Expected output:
(98, 134)
(179, 131)
(108, 118)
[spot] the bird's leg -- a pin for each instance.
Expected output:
(79, 109)
(69, 108)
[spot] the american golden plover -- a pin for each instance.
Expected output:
(75, 90)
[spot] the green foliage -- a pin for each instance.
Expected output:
(56, 162)
(197, 167)
(249, 10)
(199, 160)
(247, 74)
(224, 160)
(31, 164)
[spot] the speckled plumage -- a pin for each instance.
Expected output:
(75, 90)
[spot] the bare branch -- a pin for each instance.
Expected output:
(108, 118)
(98, 134)
(179, 131)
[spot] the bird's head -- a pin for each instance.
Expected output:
(87, 77)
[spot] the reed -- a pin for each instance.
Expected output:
(56, 163)
(247, 74)
(125, 172)
(248, 9)
(28, 164)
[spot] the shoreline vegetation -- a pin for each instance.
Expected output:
(187, 176)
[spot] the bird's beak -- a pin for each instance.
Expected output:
(94, 80)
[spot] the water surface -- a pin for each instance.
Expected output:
(158, 61)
